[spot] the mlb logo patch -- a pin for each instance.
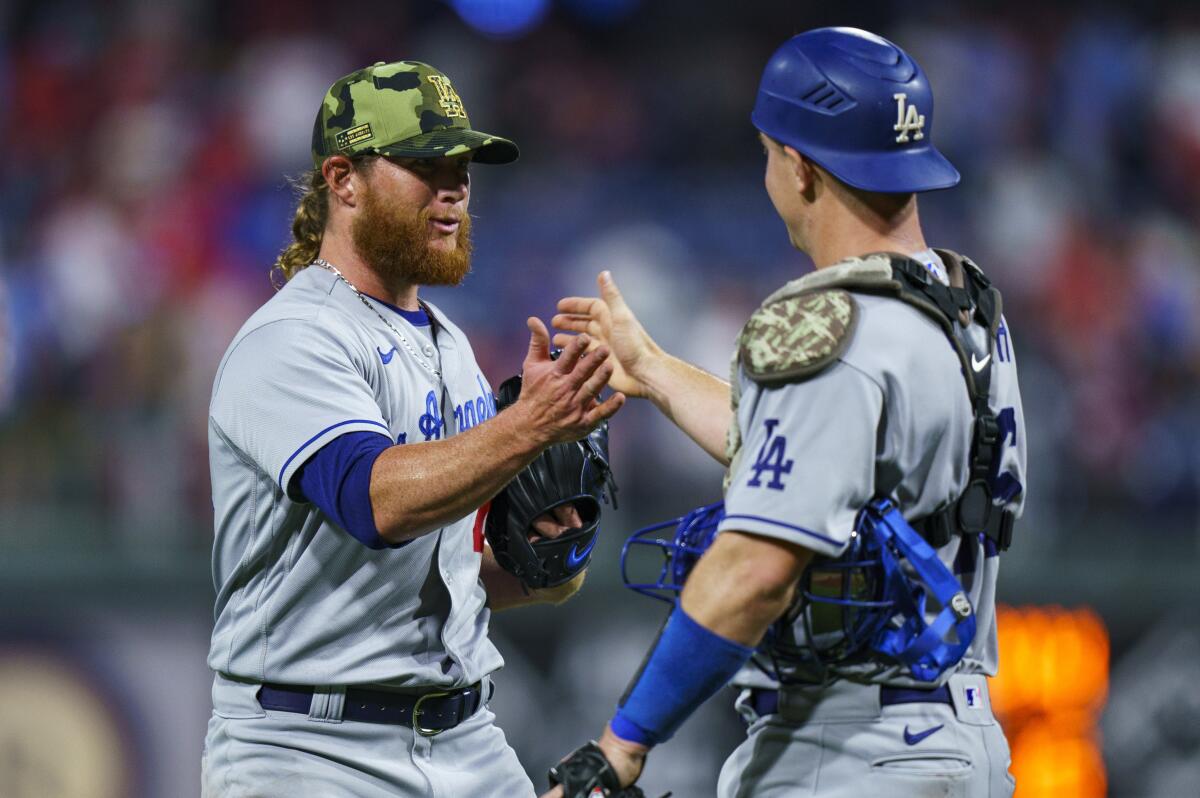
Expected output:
(974, 697)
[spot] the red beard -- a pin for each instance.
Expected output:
(395, 243)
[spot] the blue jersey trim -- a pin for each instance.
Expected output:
(792, 527)
(304, 445)
(417, 318)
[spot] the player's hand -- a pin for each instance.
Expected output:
(626, 758)
(609, 323)
(552, 524)
(560, 398)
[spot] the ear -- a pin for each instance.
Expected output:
(342, 179)
(806, 173)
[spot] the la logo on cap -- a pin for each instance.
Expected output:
(448, 98)
(908, 120)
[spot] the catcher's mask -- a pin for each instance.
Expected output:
(887, 596)
(568, 473)
(691, 535)
(841, 605)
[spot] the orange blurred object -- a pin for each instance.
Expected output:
(1048, 694)
(1052, 761)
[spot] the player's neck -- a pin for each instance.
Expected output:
(847, 232)
(366, 279)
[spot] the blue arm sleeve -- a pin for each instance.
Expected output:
(338, 480)
(687, 666)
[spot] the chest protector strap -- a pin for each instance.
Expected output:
(956, 308)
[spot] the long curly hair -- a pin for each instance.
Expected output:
(308, 227)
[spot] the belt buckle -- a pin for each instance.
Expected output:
(417, 727)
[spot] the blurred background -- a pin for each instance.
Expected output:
(144, 197)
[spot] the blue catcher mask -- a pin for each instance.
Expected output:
(875, 599)
(928, 648)
(690, 537)
(872, 600)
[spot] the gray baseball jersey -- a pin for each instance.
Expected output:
(891, 417)
(299, 601)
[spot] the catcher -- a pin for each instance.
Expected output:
(876, 466)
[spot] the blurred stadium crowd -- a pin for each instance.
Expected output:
(145, 199)
(146, 195)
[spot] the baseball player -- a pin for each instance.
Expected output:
(883, 382)
(352, 439)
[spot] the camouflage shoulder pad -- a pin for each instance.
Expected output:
(797, 337)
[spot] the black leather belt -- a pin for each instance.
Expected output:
(428, 713)
(766, 702)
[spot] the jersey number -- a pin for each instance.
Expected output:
(771, 457)
(1005, 486)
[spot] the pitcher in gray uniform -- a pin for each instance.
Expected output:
(353, 438)
(875, 445)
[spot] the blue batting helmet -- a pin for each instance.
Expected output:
(858, 106)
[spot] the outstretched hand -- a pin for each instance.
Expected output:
(560, 398)
(608, 325)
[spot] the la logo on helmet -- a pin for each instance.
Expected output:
(908, 120)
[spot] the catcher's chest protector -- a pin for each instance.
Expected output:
(806, 325)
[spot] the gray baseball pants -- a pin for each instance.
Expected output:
(840, 742)
(250, 752)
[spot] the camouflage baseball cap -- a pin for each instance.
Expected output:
(405, 108)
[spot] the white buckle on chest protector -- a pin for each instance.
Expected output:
(417, 727)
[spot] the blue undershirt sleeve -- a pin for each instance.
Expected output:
(337, 479)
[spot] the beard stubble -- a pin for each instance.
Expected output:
(395, 242)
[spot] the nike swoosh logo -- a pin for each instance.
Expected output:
(575, 557)
(388, 357)
(913, 739)
(978, 365)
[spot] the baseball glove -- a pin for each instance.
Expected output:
(586, 773)
(574, 473)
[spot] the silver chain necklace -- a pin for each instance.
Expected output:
(428, 366)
